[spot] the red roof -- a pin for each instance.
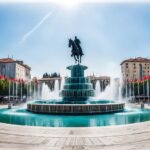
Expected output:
(6, 60)
(10, 60)
(138, 59)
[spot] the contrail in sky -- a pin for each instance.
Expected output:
(29, 33)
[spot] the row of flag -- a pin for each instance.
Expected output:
(16, 80)
(145, 78)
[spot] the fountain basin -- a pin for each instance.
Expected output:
(20, 116)
(89, 108)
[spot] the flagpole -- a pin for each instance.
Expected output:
(27, 91)
(9, 90)
(138, 89)
(16, 90)
(30, 90)
(21, 89)
(147, 89)
(133, 88)
(9, 103)
(13, 91)
(34, 90)
(126, 90)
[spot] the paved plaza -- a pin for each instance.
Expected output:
(124, 137)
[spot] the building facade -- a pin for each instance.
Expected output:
(11, 68)
(135, 68)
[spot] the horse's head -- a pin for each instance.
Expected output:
(70, 42)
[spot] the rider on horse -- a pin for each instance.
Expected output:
(77, 42)
(77, 52)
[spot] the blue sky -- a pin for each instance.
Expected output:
(109, 33)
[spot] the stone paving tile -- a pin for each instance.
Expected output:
(129, 137)
(79, 141)
(72, 141)
(52, 142)
(96, 141)
(68, 140)
(60, 142)
(87, 142)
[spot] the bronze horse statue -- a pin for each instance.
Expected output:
(76, 51)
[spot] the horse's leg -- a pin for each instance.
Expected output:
(78, 58)
(75, 58)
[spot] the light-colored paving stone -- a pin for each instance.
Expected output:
(124, 137)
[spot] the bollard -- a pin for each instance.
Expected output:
(142, 106)
(9, 106)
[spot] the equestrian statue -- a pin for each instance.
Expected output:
(76, 51)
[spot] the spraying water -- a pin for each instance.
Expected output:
(97, 89)
(112, 91)
(46, 93)
(120, 90)
(62, 83)
(56, 89)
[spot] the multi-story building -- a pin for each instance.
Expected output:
(135, 68)
(14, 69)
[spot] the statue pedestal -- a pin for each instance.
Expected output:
(77, 70)
(77, 87)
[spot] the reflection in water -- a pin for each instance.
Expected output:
(23, 117)
(92, 123)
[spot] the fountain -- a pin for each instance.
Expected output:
(76, 95)
(74, 99)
